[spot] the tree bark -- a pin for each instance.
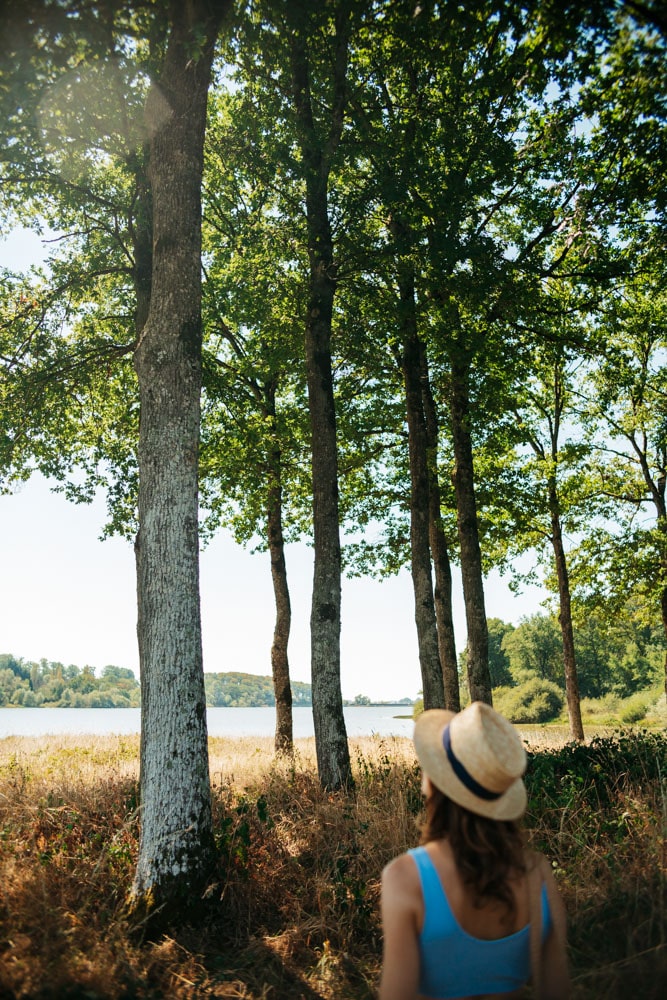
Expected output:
(176, 844)
(420, 552)
(439, 548)
(142, 244)
(332, 751)
(565, 619)
(283, 742)
(479, 678)
(658, 490)
(663, 611)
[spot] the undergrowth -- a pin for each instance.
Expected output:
(292, 911)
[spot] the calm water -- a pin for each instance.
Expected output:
(359, 721)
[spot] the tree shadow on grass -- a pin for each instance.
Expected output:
(261, 971)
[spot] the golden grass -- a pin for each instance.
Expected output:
(292, 910)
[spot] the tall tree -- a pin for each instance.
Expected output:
(331, 739)
(310, 65)
(420, 481)
(628, 393)
(386, 112)
(440, 545)
(60, 51)
(176, 843)
(255, 419)
(558, 481)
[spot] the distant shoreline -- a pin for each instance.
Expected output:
(111, 708)
(363, 720)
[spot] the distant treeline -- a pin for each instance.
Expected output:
(237, 690)
(54, 685)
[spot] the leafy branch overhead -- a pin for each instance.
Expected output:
(402, 299)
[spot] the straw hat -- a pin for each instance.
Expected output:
(475, 757)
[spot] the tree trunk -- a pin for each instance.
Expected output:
(176, 844)
(663, 611)
(333, 757)
(479, 678)
(439, 548)
(420, 553)
(142, 243)
(565, 619)
(658, 493)
(279, 660)
(333, 760)
(661, 510)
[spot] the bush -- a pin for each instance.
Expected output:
(634, 708)
(603, 711)
(657, 712)
(534, 701)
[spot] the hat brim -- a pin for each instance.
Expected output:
(433, 758)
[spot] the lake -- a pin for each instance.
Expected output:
(359, 720)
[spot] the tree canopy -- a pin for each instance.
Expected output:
(387, 277)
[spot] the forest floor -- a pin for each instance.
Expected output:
(292, 912)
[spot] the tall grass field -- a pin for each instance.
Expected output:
(292, 910)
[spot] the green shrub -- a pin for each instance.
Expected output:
(534, 701)
(604, 709)
(634, 708)
(657, 711)
(597, 770)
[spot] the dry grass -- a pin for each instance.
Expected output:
(293, 909)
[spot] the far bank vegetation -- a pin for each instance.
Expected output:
(620, 676)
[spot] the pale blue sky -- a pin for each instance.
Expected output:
(67, 596)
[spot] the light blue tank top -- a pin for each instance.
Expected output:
(456, 964)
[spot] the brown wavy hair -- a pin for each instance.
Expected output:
(488, 853)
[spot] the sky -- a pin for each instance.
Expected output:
(69, 597)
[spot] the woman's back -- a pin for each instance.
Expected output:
(491, 941)
(489, 921)
(457, 912)
(464, 947)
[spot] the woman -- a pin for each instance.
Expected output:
(462, 913)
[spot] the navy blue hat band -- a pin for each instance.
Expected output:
(462, 774)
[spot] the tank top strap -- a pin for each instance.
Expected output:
(437, 910)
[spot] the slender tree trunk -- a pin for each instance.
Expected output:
(439, 548)
(565, 619)
(333, 757)
(332, 751)
(176, 844)
(279, 660)
(659, 490)
(420, 553)
(662, 558)
(663, 611)
(479, 678)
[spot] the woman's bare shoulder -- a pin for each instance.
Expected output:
(400, 869)
(401, 889)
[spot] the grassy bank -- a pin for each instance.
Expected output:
(293, 910)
